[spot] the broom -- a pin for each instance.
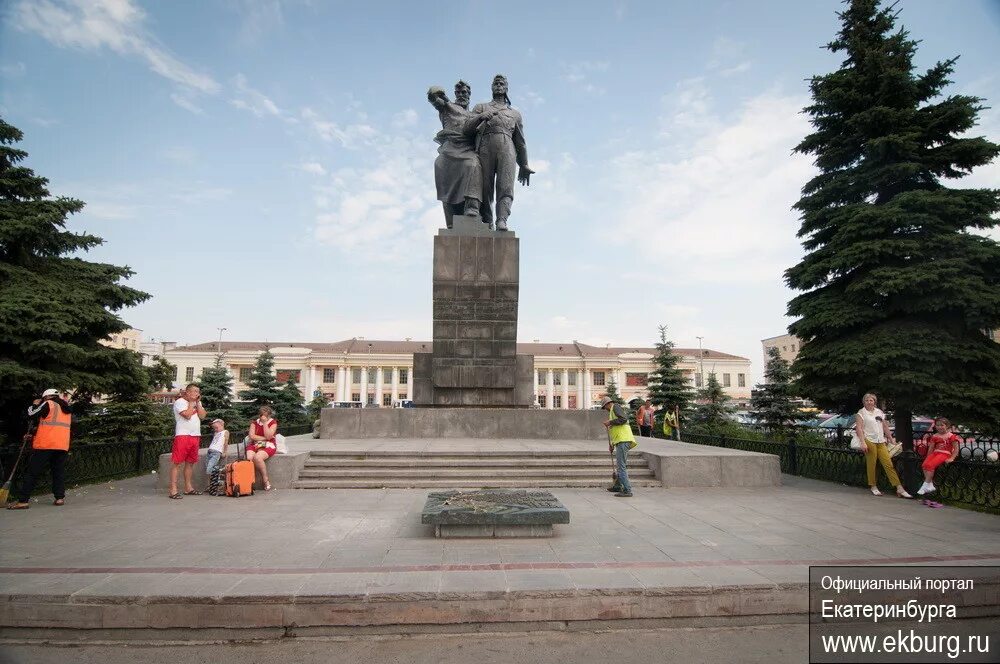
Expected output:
(614, 465)
(5, 490)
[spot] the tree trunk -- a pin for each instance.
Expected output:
(904, 427)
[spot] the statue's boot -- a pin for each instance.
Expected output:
(471, 207)
(501, 224)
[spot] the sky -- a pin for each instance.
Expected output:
(266, 166)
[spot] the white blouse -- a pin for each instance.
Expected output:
(873, 427)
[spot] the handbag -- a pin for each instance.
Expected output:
(855, 441)
(894, 449)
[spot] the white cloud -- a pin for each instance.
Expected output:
(109, 210)
(13, 70)
(184, 101)
(184, 155)
(253, 100)
(351, 136)
(313, 167)
(713, 202)
(404, 119)
(385, 206)
(728, 57)
(580, 73)
(91, 25)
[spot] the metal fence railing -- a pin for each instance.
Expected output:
(973, 480)
(99, 462)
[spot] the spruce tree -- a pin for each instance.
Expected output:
(667, 385)
(161, 374)
(898, 290)
(772, 403)
(611, 391)
(262, 387)
(217, 396)
(55, 307)
(714, 408)
(313, 408)
(288, 405)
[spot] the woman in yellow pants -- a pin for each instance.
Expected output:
(873, 431)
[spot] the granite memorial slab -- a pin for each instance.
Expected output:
(493, 513)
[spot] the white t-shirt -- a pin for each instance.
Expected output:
(873, 427)
(219, 440)
(182, 427)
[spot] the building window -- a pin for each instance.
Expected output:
(557, 378)
(557, 401)
(697, 380)
(177, 374)
(282, 375)
(541, 377)
(571, 402)
(402, 396)
(371, 375)
(329, 375)
(404, 378)
(636, 379)
(571, 379)
(598, 378)
(245, 373)
(386, 399)
(371, 398)
(356, 375)
(725, 380)
(189, 374)
(741, 380)
(355, 396)
(541, 400)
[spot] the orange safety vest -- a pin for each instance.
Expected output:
(53, 430)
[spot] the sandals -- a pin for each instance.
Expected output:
(175, 496)
(18, 506)
(267, 486)
(59, 502)
(192, 492)
(875, 491)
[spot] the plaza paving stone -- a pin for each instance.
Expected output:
(124, 538)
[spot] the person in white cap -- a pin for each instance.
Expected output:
(50, 416)
(621, 439)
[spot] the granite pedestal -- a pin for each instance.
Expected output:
(496, 513)
(474, 360)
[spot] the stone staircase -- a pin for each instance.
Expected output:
(399, 470)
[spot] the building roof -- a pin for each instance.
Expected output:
(383, 347)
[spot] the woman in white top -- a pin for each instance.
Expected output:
(873, 431)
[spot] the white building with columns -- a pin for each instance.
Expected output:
(567, 375)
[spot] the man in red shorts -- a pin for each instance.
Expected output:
(188, 412)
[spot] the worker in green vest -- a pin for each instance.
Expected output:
(670, 422)
(622, 440)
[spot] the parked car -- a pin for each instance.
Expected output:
(403, 403)
(345, 404)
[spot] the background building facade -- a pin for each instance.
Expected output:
(567, 376)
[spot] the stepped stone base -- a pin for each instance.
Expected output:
(510, 423)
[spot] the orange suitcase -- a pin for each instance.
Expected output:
(240, 476)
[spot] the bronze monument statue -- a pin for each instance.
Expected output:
(457, 173)
(499, 131)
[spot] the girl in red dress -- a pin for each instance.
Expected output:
(942, 448)
(262, 444)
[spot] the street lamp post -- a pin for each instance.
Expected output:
(701, 361)
(218, 348)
